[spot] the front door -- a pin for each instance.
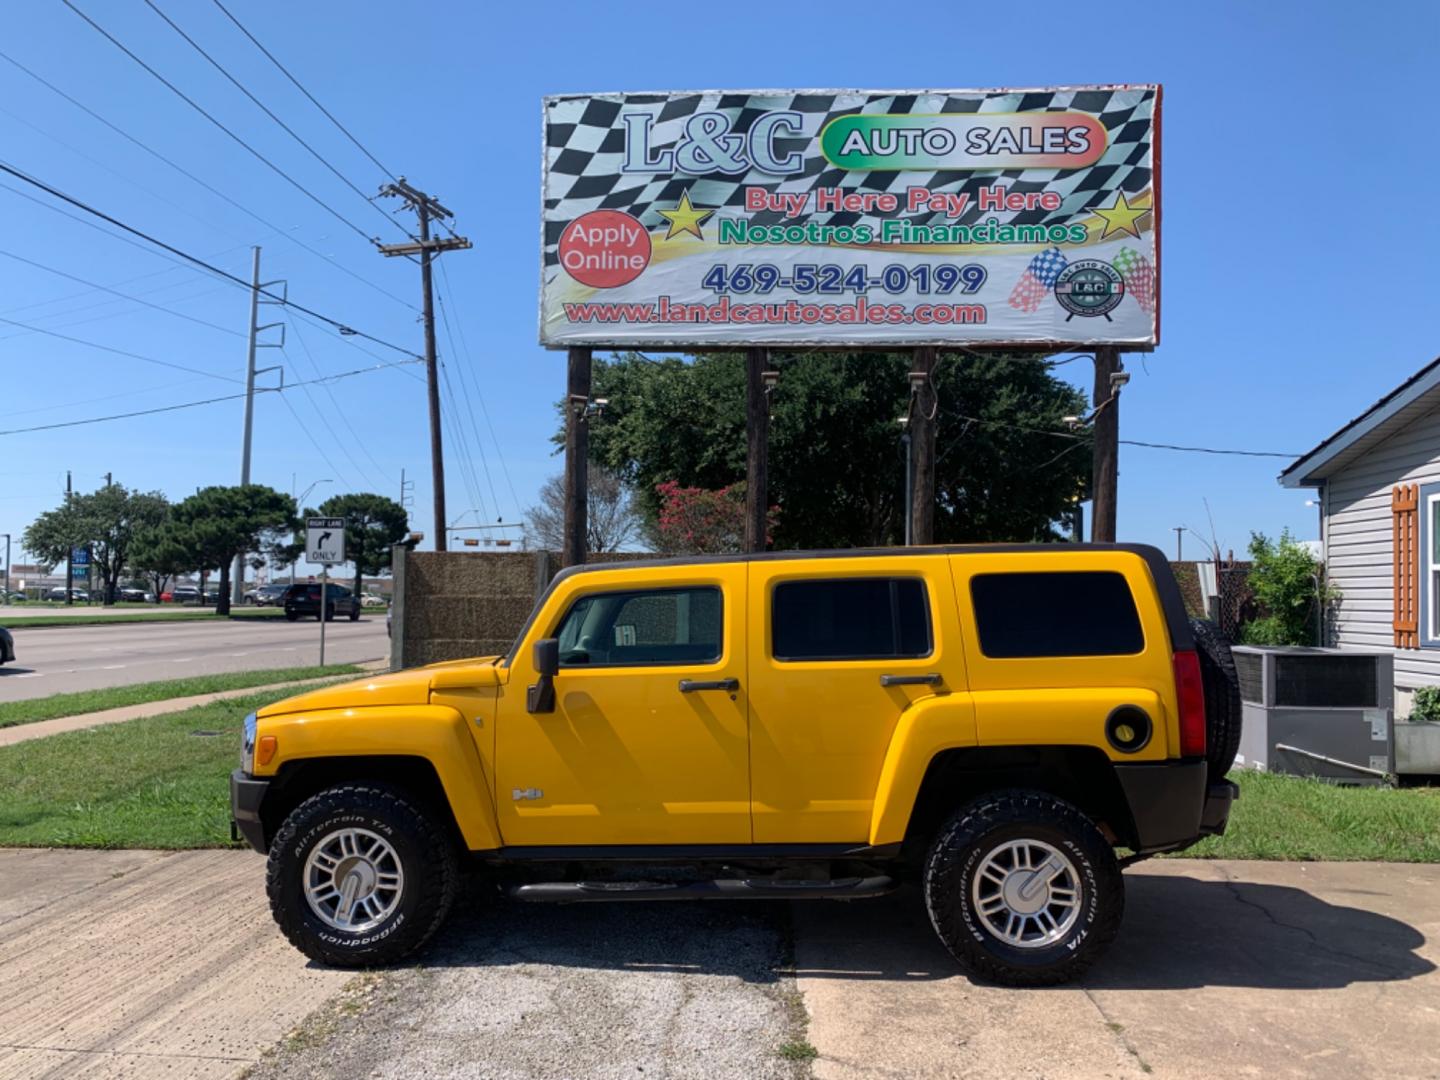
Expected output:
(648, 742)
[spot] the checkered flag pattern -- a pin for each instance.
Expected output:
(585, 149)
(1139, 277)
(1037, 280)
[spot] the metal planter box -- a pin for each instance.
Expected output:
(1417, 748)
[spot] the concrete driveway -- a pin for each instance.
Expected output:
(144, 964)
(121, 964)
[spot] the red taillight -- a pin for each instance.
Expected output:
(1191, 693)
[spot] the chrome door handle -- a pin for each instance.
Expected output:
(689, 686)
(930, 679)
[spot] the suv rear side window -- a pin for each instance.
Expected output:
(850, 619)
(653, 626)
(1061, 613)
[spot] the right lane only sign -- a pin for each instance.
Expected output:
(325, 540)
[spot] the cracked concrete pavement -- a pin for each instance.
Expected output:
(1310, 970)
(140, 964)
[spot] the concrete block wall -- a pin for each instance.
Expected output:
(456, 604)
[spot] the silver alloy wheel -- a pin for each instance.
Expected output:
(353, 880)
(1027, 894)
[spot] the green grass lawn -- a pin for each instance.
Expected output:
(1283, 817)
(159, 782)
(162, 782)
(48, 708)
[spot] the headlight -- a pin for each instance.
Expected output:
(247, 745)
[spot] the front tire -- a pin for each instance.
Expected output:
(1023, 889)
(359, 876)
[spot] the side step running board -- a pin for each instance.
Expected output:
(571, 892)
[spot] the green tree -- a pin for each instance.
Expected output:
(1005, 468)
(162, 552)
(106, 519)
(1289, 586)
(372, 524)
(219, 523)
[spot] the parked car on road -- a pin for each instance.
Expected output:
(991, 723)
(304, 600)
(371, 600)
(80, 596)
(16, 598)
(185, 594)
(7, 646)
(266, 595)
(135, 596)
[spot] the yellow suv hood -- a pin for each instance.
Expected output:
(409, 687)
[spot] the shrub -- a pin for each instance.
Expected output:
(1287, 582)
(1426, 705)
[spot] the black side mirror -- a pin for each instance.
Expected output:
(540, 695)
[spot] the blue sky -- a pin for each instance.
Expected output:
(1299, 225)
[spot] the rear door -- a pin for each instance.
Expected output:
(839, 648)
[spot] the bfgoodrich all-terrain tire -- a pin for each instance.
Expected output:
(1023, 889)
(359, 876)
(1222, 697)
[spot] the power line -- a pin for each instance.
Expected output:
(57, 193)
(198, 108)
(344, 417)
(484, 411)
(269, 56)
(118, 352)
(1129, 442)
(263, 108)
(207, 401)
(123, 296)
(208, 187)
(313, 441)
(469, 406)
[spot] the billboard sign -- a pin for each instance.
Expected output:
(852, 218)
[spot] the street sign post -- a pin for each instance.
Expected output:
(324, 544)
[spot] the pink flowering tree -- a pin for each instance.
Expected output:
(694, 520)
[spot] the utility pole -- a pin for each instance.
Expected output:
(759, 381)
(577, 456)
(427, 207)
(237, 585)
(6, 598)
(1110, 376)
(69, 550)
(923, 408)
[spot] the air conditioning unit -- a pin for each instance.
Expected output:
(1326, 713)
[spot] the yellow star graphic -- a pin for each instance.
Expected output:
(1121, 217)
(685, 218)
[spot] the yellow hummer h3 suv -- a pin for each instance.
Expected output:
(990, 722)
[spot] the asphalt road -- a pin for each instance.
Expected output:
(52, 660)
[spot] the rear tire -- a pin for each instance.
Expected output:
(354, 614)
(293, 616)
(1222, 697)
(369, 844)
(987, 900)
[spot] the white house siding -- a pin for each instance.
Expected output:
(1359, 545)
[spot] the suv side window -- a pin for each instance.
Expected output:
(1056, 613)
(850, 619)
(643, 627)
